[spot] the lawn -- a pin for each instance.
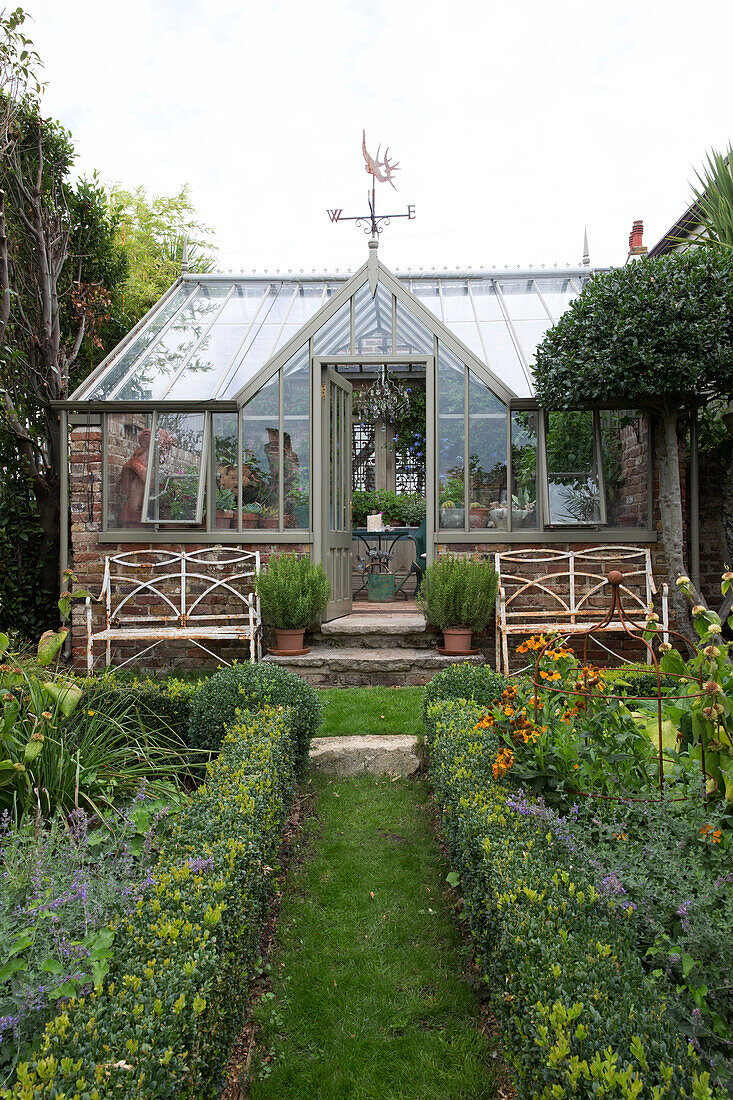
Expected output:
(371, 710)
(369, 995)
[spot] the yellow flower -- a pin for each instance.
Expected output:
(91, 713)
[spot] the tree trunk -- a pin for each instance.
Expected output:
(670, 507)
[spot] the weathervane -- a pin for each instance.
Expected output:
(381, 171)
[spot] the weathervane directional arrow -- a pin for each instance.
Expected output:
(381, 171)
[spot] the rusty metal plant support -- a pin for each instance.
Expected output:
(616, 609)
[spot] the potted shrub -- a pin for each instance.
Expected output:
(458, 596)
(269, 518)
(226, 502)
(293, 595)
(478, 513)
(251, 514)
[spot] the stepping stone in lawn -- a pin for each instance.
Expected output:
(369, 755)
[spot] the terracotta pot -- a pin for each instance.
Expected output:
(269, 523)
(456, 639)
(249, 520)
(479, 517)
(224, 518)
(289, 641)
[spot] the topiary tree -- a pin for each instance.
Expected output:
(658, 335)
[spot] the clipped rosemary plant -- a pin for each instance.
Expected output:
(293, 592)
(458, 592)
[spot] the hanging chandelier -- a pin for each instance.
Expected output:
(383, 399)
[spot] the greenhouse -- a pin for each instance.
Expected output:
(247, 410)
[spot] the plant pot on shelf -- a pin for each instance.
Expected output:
(290, 641)
(457, 640)
(224, 518)
(479, 515)
(249, 520)
(269, 523)
(452, 517)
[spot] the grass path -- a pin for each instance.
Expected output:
(369, 999)
(371, 710)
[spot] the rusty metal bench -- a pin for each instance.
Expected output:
(161, 596)
(564, 591)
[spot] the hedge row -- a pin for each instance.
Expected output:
(162, 1022)
(474, 683)
(200, 712)
(577, 1013)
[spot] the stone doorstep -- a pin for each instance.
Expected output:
(373, 754)
(345, 659)
(360, 623)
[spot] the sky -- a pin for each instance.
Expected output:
(515, 125)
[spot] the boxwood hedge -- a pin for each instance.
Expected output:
(476, 683)
(217, 700)
(162, 1022)
(578, 1015)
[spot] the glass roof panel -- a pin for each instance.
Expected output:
(456, 302)
(334, 337)
(486, 301)
(429, 295)
(412, 336)
(503, 358)
(521, 299)
(119, 366)
(468, 332)
(530, 334)
(213, 334)
(558, 293)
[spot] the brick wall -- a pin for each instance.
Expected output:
(87, 560)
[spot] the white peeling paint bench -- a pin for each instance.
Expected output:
(159, 596)
(565, 592)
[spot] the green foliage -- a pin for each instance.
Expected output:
(578, 1016)
(248, 686)
(161, 1022)
(151, 229)
(293, 592)
(456, 591)
(647, 333)
(56, 755)
(714, 200)
(476, 683)
(26, 606)
(160, 706)
(398, 509)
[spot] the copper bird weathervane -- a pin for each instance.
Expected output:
(381, 171)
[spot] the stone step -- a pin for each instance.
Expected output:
(373, 754)
(374, 631)
(351, 666)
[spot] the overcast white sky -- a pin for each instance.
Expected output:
(515, 124)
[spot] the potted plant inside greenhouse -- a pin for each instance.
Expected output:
(293, 594)
(269, 518)
(452, 510)
(458, 596)
(226, 502)
(250, 514)
(479, 514)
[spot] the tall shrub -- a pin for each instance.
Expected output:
(456, 591)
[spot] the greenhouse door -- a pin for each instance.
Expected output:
(336, 433)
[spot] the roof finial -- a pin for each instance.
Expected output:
(586, 253)
(184, 255)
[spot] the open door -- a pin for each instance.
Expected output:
(336, 430)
